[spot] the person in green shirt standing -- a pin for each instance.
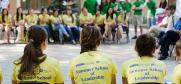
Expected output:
(138, 17)
(151, 5)
(91, 6)
(126, 7)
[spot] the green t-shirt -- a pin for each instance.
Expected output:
(119, 8)
(138, 4)
(151, 8)
(127, 7)
(106, 6)
(90, 5)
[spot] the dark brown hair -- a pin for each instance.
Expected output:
(19, 15)
(29, 61)
(145, 45)
(4, 16)
(90, 39)
(178, 47)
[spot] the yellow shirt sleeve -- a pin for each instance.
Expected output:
(123, 70)
(59, 75)
(114, 68)
(70, 70)
(176, 78)
(1, 77)
(0, 19)
(13, 77)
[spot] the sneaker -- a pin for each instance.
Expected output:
(73, 42)
(135, 37)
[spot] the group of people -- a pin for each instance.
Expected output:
(91, 66)
(65, 24)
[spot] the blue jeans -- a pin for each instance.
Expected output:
(74, 33)
(60, 28)
(151, 21)
(48, 32)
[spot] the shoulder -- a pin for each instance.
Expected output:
(178, 67)
(130, 61)
(161, 63)
(51, 60)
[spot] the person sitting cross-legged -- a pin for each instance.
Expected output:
(144, 69)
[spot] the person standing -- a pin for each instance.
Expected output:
(126, 6)
(138, 17)
(151, 5)
(90, 5)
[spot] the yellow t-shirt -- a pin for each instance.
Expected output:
(1, 77)
(20, 20)
(92, 68)
(122, 19)
(99, 19)
(31, 19)
(44, 19)
(176, 79)
(144, 70)
(48, 71)
(110, 20)
(68, 20)
(84, 18)
(55, 19)
(7, 19)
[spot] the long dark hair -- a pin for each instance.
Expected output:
(69, 8)
(29, 11)
(163, 4)
(90, 38)
(29, 61)
(107, 14)
(43, 9)
(4, 16)
(19, 15)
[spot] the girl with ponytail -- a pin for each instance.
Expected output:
(34, 66)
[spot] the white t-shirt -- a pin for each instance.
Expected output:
(178, 8)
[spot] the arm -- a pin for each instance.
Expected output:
(113, 79)
(73, 81)
(14, 82)
(124, 80)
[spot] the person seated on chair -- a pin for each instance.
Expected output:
(44, 20)
(34, 67)
(56, 20)
(178, 51)
(85, 18)
(19, 21)
(92, 66)
(171, 35)
(144, 69)
(30, 19)
(176, 76)
(98, 20)
(70, 21)
(5, 19)
(122, 21)
(110, 24)
(156, 30)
